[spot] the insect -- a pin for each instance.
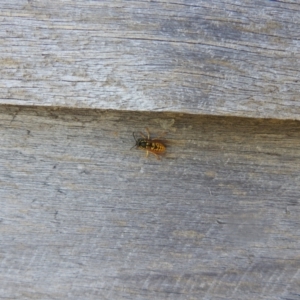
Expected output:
(154, 146)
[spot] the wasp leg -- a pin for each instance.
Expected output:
(147, 153)
(157, 157)
(148, 133)
(142, 135)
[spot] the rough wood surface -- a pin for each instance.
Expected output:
(83, 217)
(225, 57)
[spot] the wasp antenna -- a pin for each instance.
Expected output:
(135, 141)
(134, 136)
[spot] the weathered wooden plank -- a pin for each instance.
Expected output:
(83, 217)
(225, 57)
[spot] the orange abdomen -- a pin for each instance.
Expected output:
(156, 147)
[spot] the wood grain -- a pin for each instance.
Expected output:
(230, 57)
(83, 217)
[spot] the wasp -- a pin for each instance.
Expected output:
(154, 146)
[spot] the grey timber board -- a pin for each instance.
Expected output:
(84, 217)
(227, 57)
